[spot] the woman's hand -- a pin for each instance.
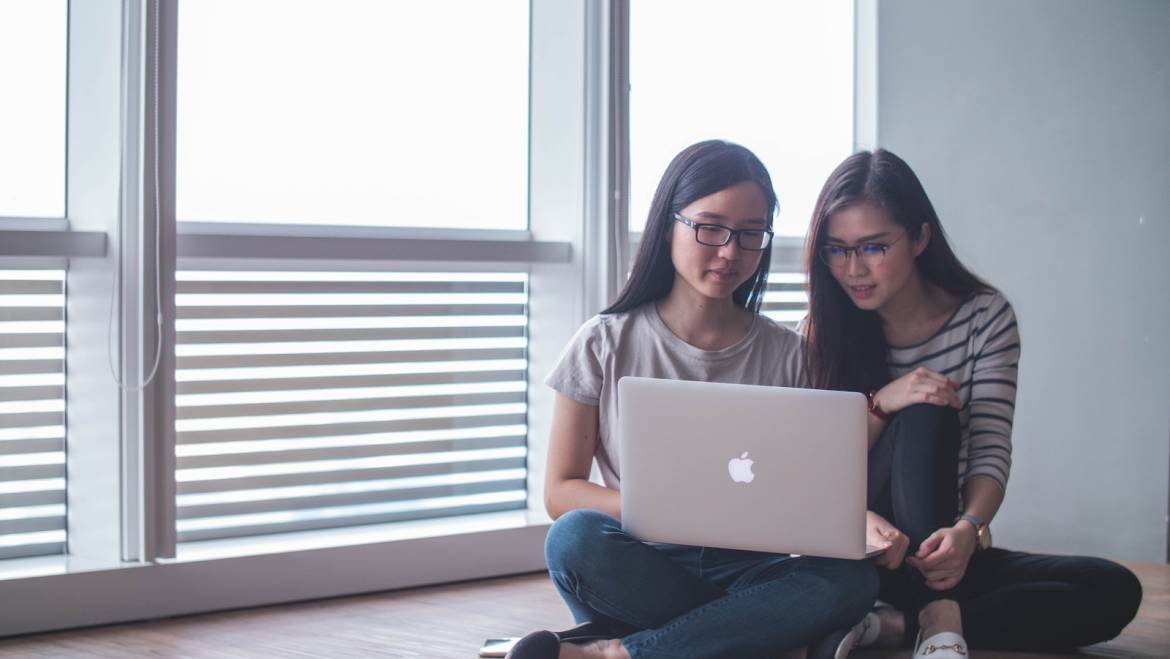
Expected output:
(921, 385)
(943, 556)
(880, 533)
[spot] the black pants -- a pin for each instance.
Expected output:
(1009, 600)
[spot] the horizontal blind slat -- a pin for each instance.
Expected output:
(32, 403)
(346, 499)
(10, 447)
(343, 452)
(331, 359)
(324, 414)
(346, 311)
(348, 381)
(36, 498)
(356, 404)
(326, 287)
(269, 373)
(28, 314)
(786, 297)
(34, 392)
(354, 520)
(9, 475)
(358, 334)
(31, 366)
(32, 524)
(33, 549)
(32, 340)
(32, 419)
(30, 287)
(356, 473)
(436, 423)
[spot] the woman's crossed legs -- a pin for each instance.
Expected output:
(674, 601)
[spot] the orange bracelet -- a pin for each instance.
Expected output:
(874, 408)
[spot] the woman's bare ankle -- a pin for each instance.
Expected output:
(892, 627)
(608, 649)
(941, 616)
(616, 650)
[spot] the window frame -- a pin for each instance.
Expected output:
(123, 564)
(111, 575)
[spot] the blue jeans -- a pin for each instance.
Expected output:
(679, 601)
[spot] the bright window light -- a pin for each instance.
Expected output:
(32, 114)
(776, 77)
(354, 112)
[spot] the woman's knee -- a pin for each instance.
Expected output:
(928, 415)
(864, 574)
(1120, 594)
(855, 590)
(933, 425)
(572, 535)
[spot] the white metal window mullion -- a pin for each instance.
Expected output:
(146, 127)
(157, 399)
(606, 152)
(93, 423)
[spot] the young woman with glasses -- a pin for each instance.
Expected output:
(895, 315)
(689, 311)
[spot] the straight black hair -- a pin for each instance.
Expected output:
(700, 170)
(846, 345)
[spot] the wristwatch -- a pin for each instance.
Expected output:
(982, 534)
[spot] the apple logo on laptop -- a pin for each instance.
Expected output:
(741, 469)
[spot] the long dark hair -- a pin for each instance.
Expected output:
(846, 345)
(699, 170)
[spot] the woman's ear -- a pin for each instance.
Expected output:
(923, 239)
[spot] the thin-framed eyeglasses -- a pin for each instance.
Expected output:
(717, 235)
(871, 254)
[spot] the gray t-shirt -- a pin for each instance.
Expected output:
(610, 347)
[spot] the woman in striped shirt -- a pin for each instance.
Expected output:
(895, 315)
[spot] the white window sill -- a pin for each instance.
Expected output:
(358, 535)
(45, 566)
(50, 593)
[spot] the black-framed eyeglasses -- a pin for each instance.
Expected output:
(717, 235)
(871, 254)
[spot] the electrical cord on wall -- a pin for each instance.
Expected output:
(114, 292)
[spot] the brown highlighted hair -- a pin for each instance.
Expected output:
(846, 347)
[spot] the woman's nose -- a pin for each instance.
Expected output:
(730, 251)
(855, 265)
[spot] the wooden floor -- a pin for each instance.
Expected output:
(446, 621)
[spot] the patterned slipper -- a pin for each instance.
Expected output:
(838, 644)
(944, 645)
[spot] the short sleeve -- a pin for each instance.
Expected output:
(797, 367)
(791, 346)
(578, 373)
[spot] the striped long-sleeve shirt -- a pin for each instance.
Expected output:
(978, 347)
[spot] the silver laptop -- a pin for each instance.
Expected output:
(744, 467)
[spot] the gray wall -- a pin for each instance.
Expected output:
(1041, 131)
